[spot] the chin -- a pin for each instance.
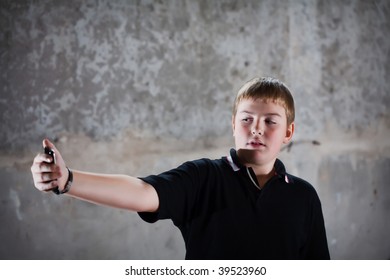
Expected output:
(251, 156)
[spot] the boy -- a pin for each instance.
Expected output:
(243, 206)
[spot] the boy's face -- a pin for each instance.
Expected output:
(260, 128)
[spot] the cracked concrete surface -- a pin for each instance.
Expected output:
(137, 87)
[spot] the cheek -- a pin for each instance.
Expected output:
(277, 136)
(241, 129)
(240, 133)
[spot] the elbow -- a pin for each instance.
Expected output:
(144, 198)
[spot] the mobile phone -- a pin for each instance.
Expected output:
(51, 153)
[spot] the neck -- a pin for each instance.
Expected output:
(263, 171)
(254, 159)
(263, 174)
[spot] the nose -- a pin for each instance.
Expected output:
(257, 129)
(259, 132)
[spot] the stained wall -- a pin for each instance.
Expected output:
(137, 87)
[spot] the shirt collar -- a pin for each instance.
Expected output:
(280, 170)
(233, 160)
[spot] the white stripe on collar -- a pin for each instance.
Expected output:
(232, 164)
(253, 181)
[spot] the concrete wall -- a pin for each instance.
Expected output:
(137, 87)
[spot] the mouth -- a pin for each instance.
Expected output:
(256, 144)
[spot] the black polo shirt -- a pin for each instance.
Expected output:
(222, 214)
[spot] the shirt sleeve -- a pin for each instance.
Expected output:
(177, 191)
(317, 247)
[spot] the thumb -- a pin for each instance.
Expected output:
(46, 143)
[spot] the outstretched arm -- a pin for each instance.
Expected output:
(120, 191)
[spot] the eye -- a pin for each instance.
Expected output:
(270, 121)
(246, 120)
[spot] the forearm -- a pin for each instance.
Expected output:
(118, 191)
(49, 172)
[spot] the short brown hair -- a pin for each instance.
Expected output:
(267, 89)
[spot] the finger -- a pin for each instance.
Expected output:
(48, 176)
(46, 143)
(42, 157)
(45, 181)
(43, 163)
(47, 167)
(46, 186)
(39, 167)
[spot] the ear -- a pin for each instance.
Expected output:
(289, 133)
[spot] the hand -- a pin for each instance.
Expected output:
(46, 174)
